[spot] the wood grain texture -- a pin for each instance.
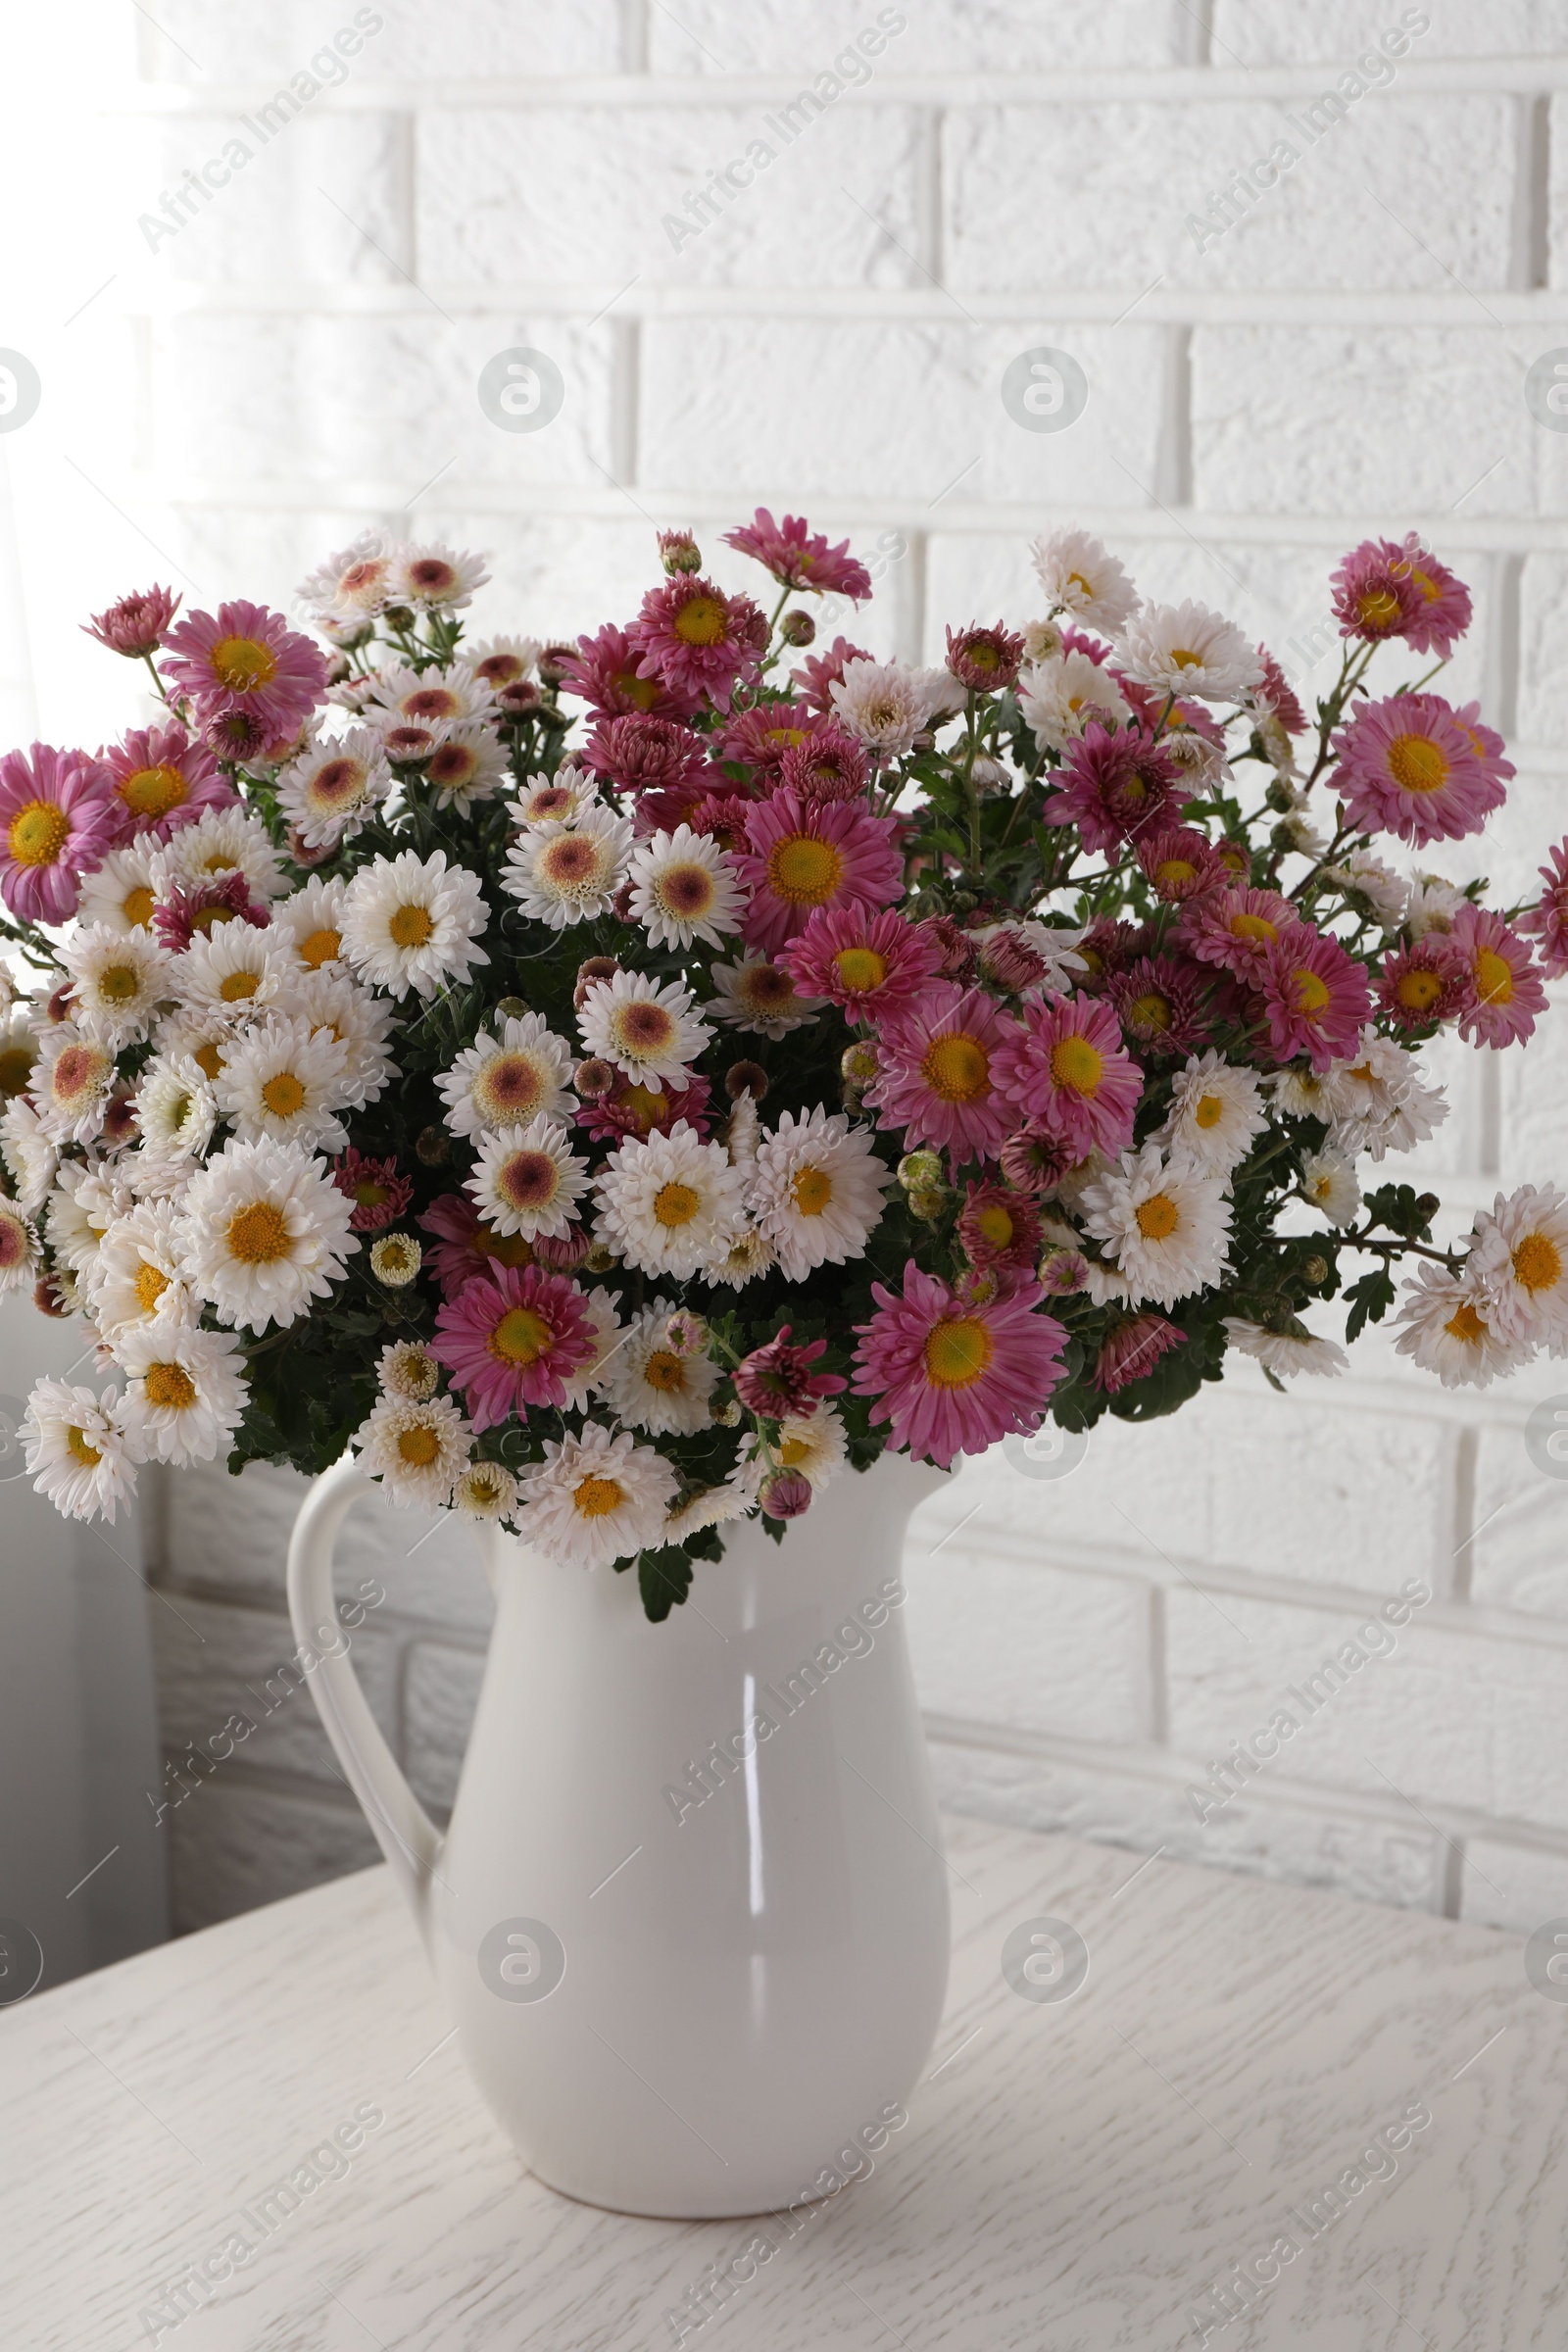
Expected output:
(1073, 2178)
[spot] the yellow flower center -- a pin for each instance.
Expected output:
(793, 1453)
(804, 870)
(520, 1337)
(861, 968)
(118, 983)
(1465, 1324)
(151, 792)
(235, 987)
(79, 1447)
(38, 833)
(1075, 579)
(1418, 991)
(1077, 1064)
(319, 946)
(1157, 1217)
(701, 621)
(258, 1236)
(1418, 765)
(410, 926)
(676, 1204)
(597, 1498)
(137, 907)
(1494, 979)
(149, 1286)
(507, 1248)
(283, 1094)
(665, 1372)
(1377, 607)
(813, 1190)
(242, 664)
(1150, 1010)
(1185, 659)
(956, 1068)
(958, 1350)
(1537, 1263)
(1209, 1111)
(645, 1102)
(1253, 926)
(1172, 873)
(170, 1385)
(996, 1225)
(1310, 991)
(418, 1447)
(208, 1061)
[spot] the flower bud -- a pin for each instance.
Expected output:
(798, 628)
(600, 1258)
(746, 1078)
(679, 552)
(920, 1171)
(786, 1495)
(432, 1147)
(593, 1079)
(511, 1008)
(1315, 1269)
(927, 1206)
(727, 1415)
(857, 1065)
(552, 663)
(594, 967)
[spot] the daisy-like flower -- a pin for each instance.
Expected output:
(761, 996)
(18, 1247)
(813, 1446)
(816, 1190)
(162, 779)
(433, 699)
(437, 579)
(1375, 595)
(1287, 1353)
(409, 1370)
(603, 670)
(1432, 904)
(885, 706)
(119, 978)
(563, 874)
(1131, 1351)
(1217, 1111)
(246, 660)
(58, 820)
(119, 893)
(137, 1276)
(986, 660)
(484, 1491)
(218, 843)
(1408, 766)
(1329, 1182)
(286, 1080)
(1507, 989)
(1548, 921)
(1060, 695)
(503, 661)
(1448, 1329)
(684, 888)
(1423, 986)
(1379, 1101)
(1236, 928)
(512, 1340)
(868, 965)
(646, 1028)
(413, 923)
(417, 1450)
(828, 765)
(1186, 649)
(1180, 863)
(748, 1258)
(353, 585)
(186, 1392)
(1064, 1065)
(235, 971)
(1444, 609)
(560, 800)
(464, 1246)
(378, 1193)
(30, 1155)
(710, 1506)
(938, 1078)
(605, 1328)
(527, 1180)
(1316, 996)
(696, 640)
(356, 1017)
(311, 921)
(467, 766)
(671, 1204)
(800, 558)
(998, 1226)
(19, 1051)
(1363, 877)
(802, 856)
(595, 1499)
(264, 1231)
(1113, 788)
(1165, 1222)
(1305, 1094)
(75, 1450)
(1519, 1255)
(1158, 1000)
(71, 1085)
(1080, 576)
(332, 788)
(395, 1260)
(652, 1385)
(952, 1374)
(135, 625)
(508, 1080)
(80, 1211)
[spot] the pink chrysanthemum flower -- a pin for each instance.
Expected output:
(868, 965)
(937, 1077)
(1132, 1350)
(820, 673)
(1374, 593)
(1181, 862)
(1158, 1004)
(1035, 1159)
(1410, 765)
(1066, 1067)
(952, 1374)
(603, 670)
(998, 1226)
(1236, 930)
(695, 639)
(182, 911)
(58, 821)
(723, 816)
(1487, 746)
(1422, 986)
(779, 1379)
(800, 558)
(1276, 695)
(465, 1248)
(647, 754)
(1108, 948)
(1508, 994)
(136, 625)
(162, 780)
(378, 1193)
(1316, 997)
(1548, 922)
(1443, 605)
(1114, 788)
(512, 1340)
(244, 662)
(829, 765)
(985, 659)
(800, 857)
(642, 1111)
(764, 735)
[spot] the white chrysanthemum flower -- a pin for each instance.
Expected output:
(395, 1259)
(646, 1028)
(436, 699)
(19, 1050)
(885, 705)
(136, 1275)
(652, 1385)
(1215, 1111)
(419, 1451)
(437, 577)
(176, 1109)
(1301, 835)
(743, 1135)
(1519, 1259)
(1165, 1222)
(529, 1180)
(710, 1506)
(186, 1392)
(119, 893)
(813, 1445)
(30, 1155)
(1379, 1101)
(755, 995)
(234, 971)
(413, 923)
(1059, 696)
(1384, 891)
(750, 1256)
(119, 978)
(564, 874)
(1431, 906)
(78, 1213)
(599, 1308)
(562, 799)
(311, 921)
(816, 1190)
(18, 1247)
(353, 585)
(1305, 1094)
(469, 764)
(1043, 641)
(75, 1450)
(685, 888)
(1186, 649)
(1330, 1182)
(203, 1038)
(1449, 1329)
(595, 1499)
(71, 1084)
(220, 842)
(669, 1204)
(1080, 576)
(485, 1491)
(1198, 763)
(407, 1369)
(1285, 1353)
(356, 1017)
(264, 1231)
(506, 1080)
(286, 1080)
(503, 661)
(333, 789)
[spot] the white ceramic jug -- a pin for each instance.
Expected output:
(690, 1916)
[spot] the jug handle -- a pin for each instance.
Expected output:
(403, 1831)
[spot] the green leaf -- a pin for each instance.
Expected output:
(664, 1578)
(1369, 1300)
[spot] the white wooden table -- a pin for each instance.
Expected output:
(1075, 2175)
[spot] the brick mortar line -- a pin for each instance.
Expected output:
(168, 1578)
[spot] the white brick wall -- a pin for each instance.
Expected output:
(1348, 356)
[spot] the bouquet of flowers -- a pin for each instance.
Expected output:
(615, 1087)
